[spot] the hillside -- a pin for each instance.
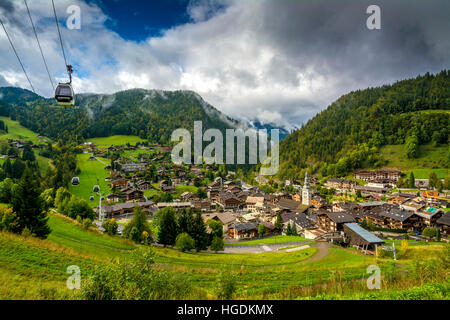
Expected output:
(349, 134)
(36, 269)
(149, 114)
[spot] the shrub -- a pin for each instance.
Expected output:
(184, 242)
(226, 286)
(110, 227)
(87, 223)
(217, 244)
(134, 279)
(429, 232)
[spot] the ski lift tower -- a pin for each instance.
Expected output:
(101, 214)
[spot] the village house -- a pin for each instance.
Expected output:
(251, 203)
(132, 167)
(124, 209)
(119, 183)
(430, 216)
(299, 220)
(340, 185)
(226, 218)
(388, 176)
(143, 185)
(131, 194)
(242, 230)
(227, 200)
(333, 221)
(444, 223)
(176, 205)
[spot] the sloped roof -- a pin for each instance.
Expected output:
(445, 219)
(363, 233)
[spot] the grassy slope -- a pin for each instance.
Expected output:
(115, 140)
(92, 173)
(430, 159)
(16, 131)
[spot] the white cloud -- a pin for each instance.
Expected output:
(269, 60)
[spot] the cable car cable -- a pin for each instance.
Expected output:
(59, 33)
(21, 64)
(39, 45)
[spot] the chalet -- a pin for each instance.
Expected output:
(270, 228)
(170, 189)
(252, 202)
(124, 209)
(360, 237)
(444, 223)
(202, 205)
(300, 221)
(297, 197)
(226, 218)
(176, 205)
(188, 196)
(242, 196)
(132, 166)
(131, 194)
(368, 190)
(242, 230)
(387, 175)
(333, 221)
(288, 205)
(143, 185)
(318, 202)
(227, 200)
(340, 184)
(119, 183)
(346, 207)
(113, 197)
(393, 217)
(430, 216)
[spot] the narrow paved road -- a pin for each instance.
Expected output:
(322, 253)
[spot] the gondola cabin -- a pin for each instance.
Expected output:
(64, 95)
(75, 181)
(96, 188)
(91, 198)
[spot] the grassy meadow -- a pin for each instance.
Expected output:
(92, 173)
(430, 159)
(36, 269)
(106, 142)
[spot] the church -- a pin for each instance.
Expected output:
(306, 192)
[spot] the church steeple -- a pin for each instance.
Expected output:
(306, 192)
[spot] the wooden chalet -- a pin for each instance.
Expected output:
(444, 223)
(242, 230)
(333, 221)
(227, 200)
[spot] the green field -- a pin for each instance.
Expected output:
(36, 269)
(275, 239)
(92, 173)
(115, 141)
(430, 159)
(16, 131)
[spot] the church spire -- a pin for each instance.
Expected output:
(306, 180)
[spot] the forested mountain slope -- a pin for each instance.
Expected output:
(348, 134)
(149, 114)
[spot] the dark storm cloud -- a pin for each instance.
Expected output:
(278, 61)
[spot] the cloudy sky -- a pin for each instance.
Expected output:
(279, 61)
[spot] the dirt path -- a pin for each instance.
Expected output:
(323, 248)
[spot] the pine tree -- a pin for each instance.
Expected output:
(199, 233)
(167, 226)
(28, 206)
(7, 167)
(279, 223)
(412, 180)
(288, 230)
(185, 221)
(294, 230)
